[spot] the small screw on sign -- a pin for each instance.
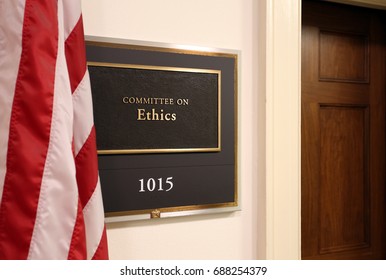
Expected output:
(155, 214)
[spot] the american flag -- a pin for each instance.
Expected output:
(50, 196)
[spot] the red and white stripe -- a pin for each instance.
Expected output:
(51, 204)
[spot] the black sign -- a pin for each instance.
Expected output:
(155, 109)
(166, 124)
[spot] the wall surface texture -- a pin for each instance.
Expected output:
(226, 24)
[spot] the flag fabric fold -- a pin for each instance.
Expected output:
(50, 197)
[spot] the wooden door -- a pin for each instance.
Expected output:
(343, 132)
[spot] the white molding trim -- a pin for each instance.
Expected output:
(283, 46)
(375, 4)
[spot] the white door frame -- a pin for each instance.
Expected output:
(280, 60)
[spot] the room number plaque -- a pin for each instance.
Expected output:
(166, 127)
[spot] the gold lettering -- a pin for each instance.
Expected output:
(153, 100)
(154, 115)
(169, 101)
(183, 102)
(141, 115)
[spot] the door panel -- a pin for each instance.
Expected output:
(343, 57)
(343, 132)
(344, 187)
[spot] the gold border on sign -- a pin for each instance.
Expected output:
(162, 49)
(173, 69)
(157, 213)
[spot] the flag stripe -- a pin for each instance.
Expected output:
(29, 128)
(101, 251)
(78, 250)
(87, 162)
(71, 11)
(59, 195)
(75, 54)
(11, 26)
(96, 235)
(83, 113)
